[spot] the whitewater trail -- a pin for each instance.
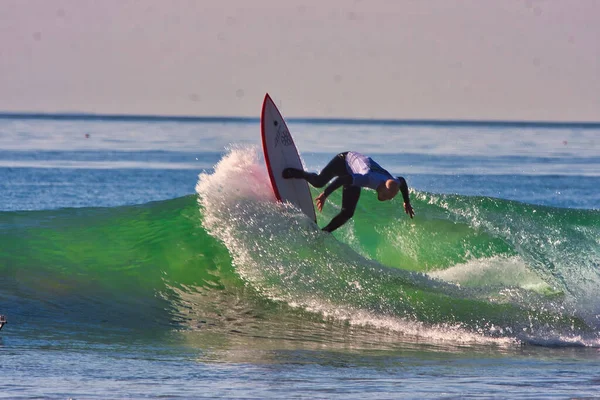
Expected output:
(284, 256)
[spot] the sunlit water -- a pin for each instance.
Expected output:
(123, 275)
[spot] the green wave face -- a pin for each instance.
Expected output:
(111, 265)
(372, 267)
(479, 266)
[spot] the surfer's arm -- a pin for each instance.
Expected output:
(349, 200)
(336, 184)
(404, 190)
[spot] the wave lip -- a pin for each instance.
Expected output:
(468, 267)
(286, 258)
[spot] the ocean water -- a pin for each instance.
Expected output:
(147, 258)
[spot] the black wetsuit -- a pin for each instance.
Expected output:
(350, 195)
(338, 168)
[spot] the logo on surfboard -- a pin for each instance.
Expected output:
(283, 136)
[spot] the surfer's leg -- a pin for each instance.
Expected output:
(336, 167)
(350, 196)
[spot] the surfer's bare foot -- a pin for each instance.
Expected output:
(290, 173)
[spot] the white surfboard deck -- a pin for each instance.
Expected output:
(280, 153)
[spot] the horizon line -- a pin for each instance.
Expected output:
(312, 120)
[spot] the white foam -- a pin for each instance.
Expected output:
(493, 271)
(286, 257)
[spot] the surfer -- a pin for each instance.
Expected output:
(353, 171)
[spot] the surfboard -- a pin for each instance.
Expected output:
(280, 152)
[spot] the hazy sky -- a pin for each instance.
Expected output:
(446, 59)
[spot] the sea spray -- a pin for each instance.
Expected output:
(283, 255)
(559, 245)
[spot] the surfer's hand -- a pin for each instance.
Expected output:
(409, 210)
(320, 200)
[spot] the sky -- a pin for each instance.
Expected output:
(530, 60)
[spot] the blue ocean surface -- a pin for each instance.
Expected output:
(146, 257)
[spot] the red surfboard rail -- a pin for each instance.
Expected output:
(280, 152)
(264, 145)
